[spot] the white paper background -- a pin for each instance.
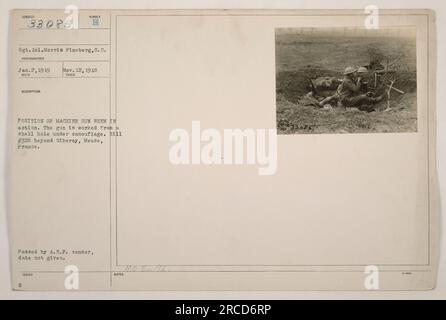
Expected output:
(6, 5)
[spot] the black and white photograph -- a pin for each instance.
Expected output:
(346, 80)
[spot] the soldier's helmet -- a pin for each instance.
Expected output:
(363, 70)
(349, 70)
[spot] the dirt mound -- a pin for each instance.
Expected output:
(293, 85)
(292, 119)
(406, 81)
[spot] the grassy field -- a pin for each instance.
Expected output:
(300, 57)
